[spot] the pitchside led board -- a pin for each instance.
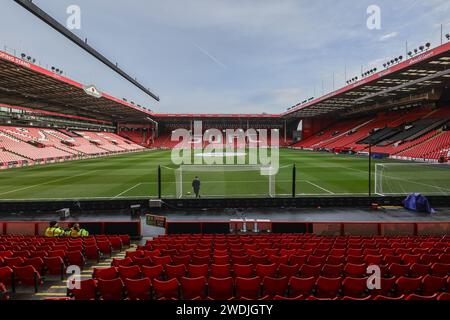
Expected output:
(155, 221)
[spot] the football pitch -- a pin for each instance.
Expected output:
(135, 176)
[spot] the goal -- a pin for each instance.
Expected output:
(406, 178)
(231, 181)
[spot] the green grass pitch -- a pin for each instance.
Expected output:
(135, 176)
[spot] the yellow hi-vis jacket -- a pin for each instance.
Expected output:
(78, 233)
(54, 232)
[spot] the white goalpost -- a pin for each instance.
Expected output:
(226, 180)
(406, 178)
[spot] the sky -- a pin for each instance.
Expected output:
(224, 56)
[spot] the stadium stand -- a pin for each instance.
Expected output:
(25, 260)
(28, 145)
(414, 135)
(276, 267)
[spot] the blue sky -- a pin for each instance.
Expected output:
(227, 56)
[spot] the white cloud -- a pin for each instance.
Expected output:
(389, 36)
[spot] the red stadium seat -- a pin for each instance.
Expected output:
(105, 247)
(296, 259)
(196, 260)
(335, 260)
(87, 290)
(220, 270)
(307, 271)
(381, 297)
(389, 259)
(301, 286)
(327, 287)
(240, 259)
(418, 269)
(57, 253)
(6, 275)
(265, 270)
(111, 289)
(153, 272)
(138, 289)
(280, 298)
(279, 259)
(36, 262)
(176, 271)
(399, 270)
(346, 298)
(220, 289)
(355, 287)
(274, 286)
(193, 287)
(75, 258)
(444, 258)
(221, 260)
(440, 269)
(316, 260)
(131, 272)
(444, 297)
(373, 259)
(144, 261)
(181, 260)
(244, 271)
(259, 259)
(91, 252)
(411, 258)
(169, 289)
(285, 270)
(429, 258)
(249, 288)
(105, 273)
(406, 286)
(195, 271)
(423, 298)
(55, 266)
(355, 270)
(433, 284)
(356, 259)
(27, 276)
(387, 287)
(116, 243)
(332, 271)
(126, 262)
(14, 262)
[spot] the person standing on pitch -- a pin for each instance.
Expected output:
(196, 187)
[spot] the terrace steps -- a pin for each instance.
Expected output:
(438, 133)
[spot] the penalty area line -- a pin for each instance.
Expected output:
(129, 189)
(317, 186)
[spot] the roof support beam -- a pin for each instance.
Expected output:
(42, 15)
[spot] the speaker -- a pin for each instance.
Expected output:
(63, 213)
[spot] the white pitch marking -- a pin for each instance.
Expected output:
(317, 186)
(129, 189)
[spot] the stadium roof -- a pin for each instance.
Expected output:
(25, 84)
(426, 70)
(218, 116)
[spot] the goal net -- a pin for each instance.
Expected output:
(228, 181)
(407, 178)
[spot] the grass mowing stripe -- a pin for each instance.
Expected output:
(317, 186)
(44, 183)
(134, 176)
